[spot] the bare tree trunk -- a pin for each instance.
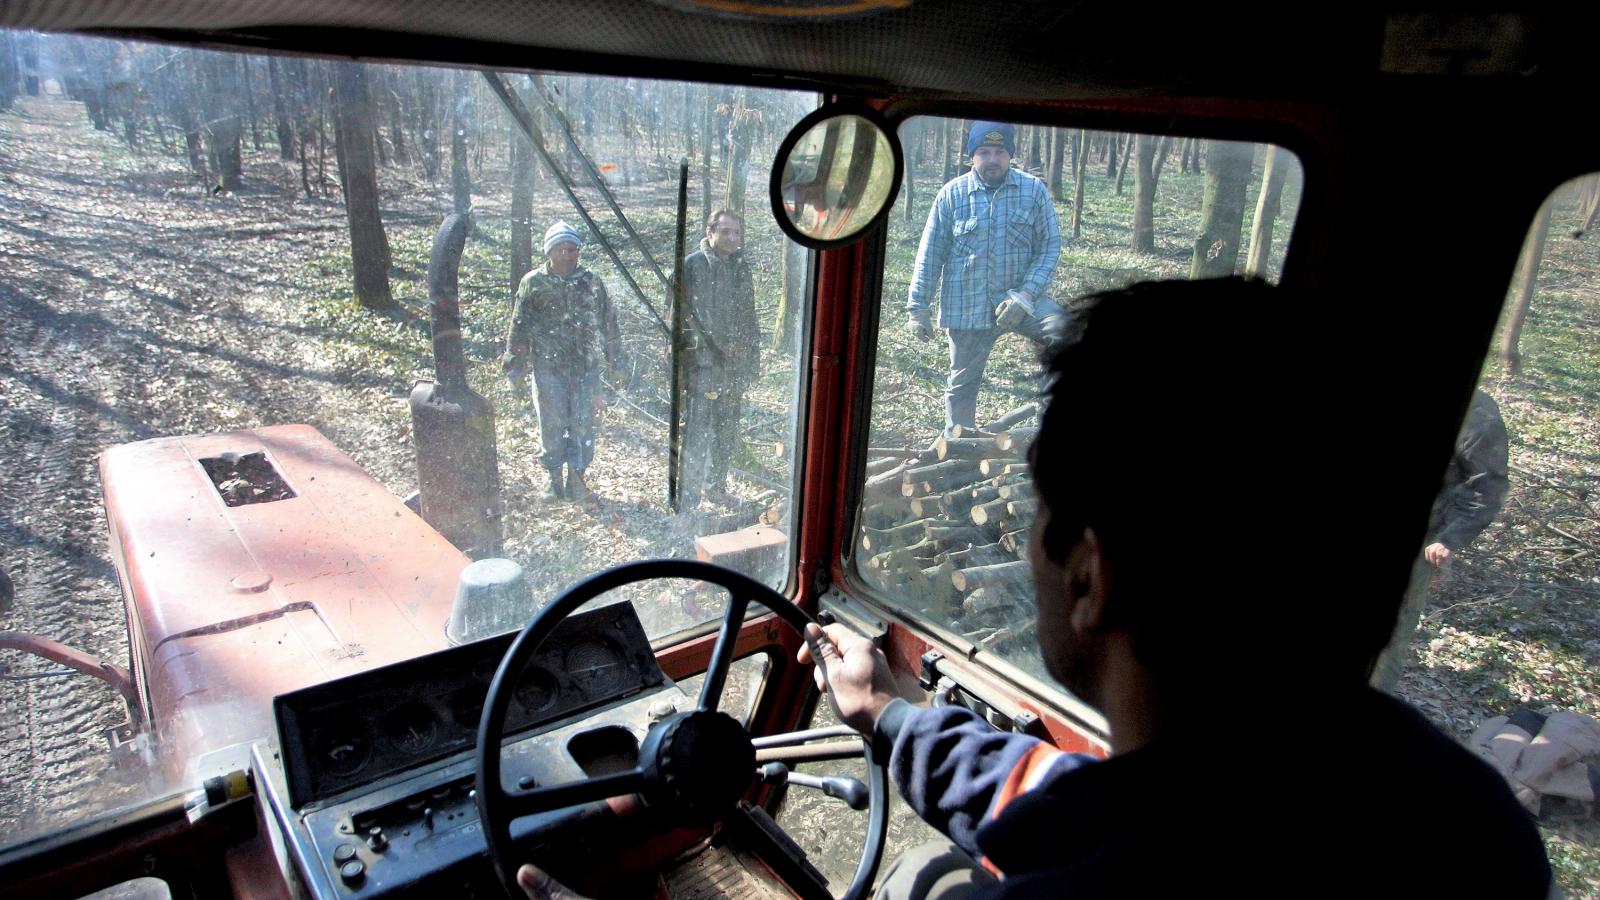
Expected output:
(1162, 150)
(1113, 143)
(953, 149)
(247, 85)
(1144, 195)
(911, 137)
(369, 246)
(1216, 250)
(460, 116)
(1077, 200)
(705, 154)
(1268, 203)
(1058, 155)
(1522, 290)
(1122, 169)
(741, 127)
(521, 212)
(1184, 155)
(276, 82)
(794, 285)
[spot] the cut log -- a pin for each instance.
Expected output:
(886, 513)
(883, 464)
(963, 431)
(964, 448)
(1020, 490)
(1015, 439)
(885, 484)
(987, 513)
(1015, 417)
(1001, 576)
(1002, 466)
(940, 476)
(1015, 542)
(880, 539)
(1022, 510)
(775, 513)
(985, 555)
(958, 504)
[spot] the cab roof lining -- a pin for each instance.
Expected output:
(1021, 50)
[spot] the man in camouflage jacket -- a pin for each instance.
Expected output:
(722, 338)
(563, 327)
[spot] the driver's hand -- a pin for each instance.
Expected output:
(1438, 554)
(857, 674)
(538, 884)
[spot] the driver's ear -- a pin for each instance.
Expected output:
(1088, 577)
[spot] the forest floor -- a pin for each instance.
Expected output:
(135, 304)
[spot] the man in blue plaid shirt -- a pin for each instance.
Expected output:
(990, 248)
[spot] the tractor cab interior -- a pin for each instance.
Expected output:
(315, 609)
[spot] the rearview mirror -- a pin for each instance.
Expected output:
(837, 174)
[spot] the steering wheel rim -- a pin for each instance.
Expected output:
(498, 808)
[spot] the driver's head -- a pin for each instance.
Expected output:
(562, 247)
(1193, 467)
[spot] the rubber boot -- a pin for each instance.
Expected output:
(554, 491)
(577, 491)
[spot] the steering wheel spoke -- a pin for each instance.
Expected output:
(572, 793)
(722, 655)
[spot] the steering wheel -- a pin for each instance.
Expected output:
(693, 766)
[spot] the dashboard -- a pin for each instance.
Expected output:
(373, 785)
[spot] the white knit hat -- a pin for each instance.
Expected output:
(560, 233)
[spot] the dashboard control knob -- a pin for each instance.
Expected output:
(353, 872)
(427, 818)
(344, 853)
(376, 840)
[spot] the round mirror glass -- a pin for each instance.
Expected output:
(839, 172)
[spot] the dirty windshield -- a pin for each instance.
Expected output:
(288, 343)
(1003, 231)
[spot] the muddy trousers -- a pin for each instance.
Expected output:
(711, 439)
(936, 870)
(969, 354)
(566, 418)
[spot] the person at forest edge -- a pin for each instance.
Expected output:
(1318, 784)
(723, 340)
(1474, 489)
(989, 249)
(563, 326)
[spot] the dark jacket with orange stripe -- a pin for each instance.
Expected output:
(1357, 796)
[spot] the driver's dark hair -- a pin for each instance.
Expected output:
(1195, 429)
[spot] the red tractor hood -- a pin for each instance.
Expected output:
(229, 606)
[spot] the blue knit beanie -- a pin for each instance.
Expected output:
(992, 134)
(560, 233)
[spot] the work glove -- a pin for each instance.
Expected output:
(920, 324)
(1015, 309)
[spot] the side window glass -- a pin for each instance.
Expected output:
(1496, 641)
(1005, 229)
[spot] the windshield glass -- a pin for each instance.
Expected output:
(240, 329)
(1003, 230)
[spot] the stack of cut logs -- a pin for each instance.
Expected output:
(947, 527)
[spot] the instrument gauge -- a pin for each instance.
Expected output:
(537, 690)
(343, 750)
(595, 667)
(411, 727)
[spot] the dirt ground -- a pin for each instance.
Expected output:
(131, 310)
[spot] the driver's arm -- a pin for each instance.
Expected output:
(956, 771)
